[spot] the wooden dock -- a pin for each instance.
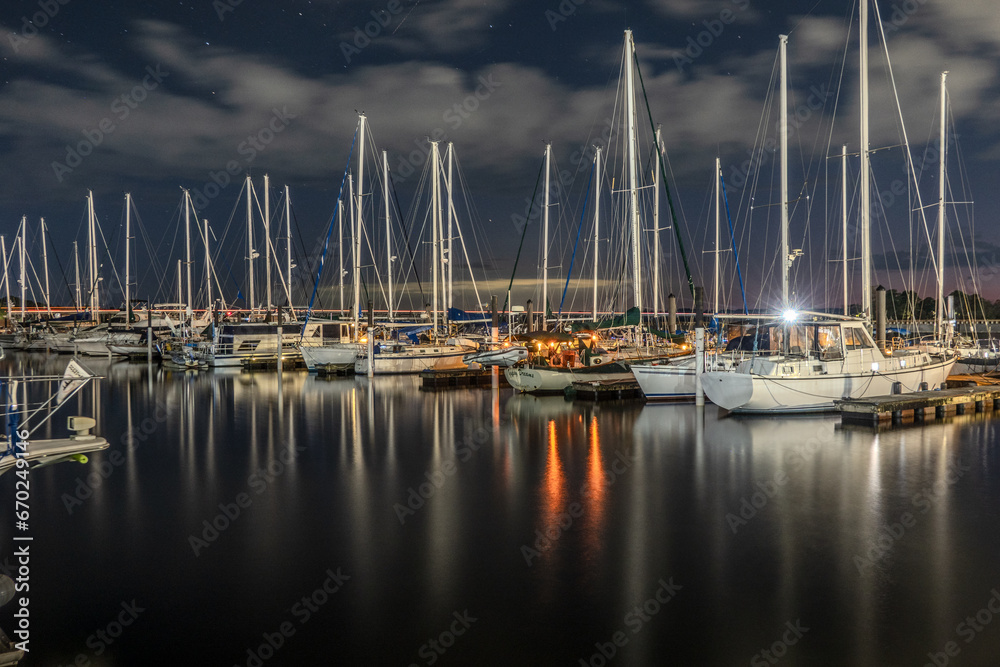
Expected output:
(460, 377)
(603, 390)
(271, 363)
(936, 404)
(334, 370)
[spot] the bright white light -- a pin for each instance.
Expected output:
(875, 367)
(790, 315)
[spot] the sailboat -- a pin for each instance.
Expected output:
(809, 360)
(393, 357)
(554, 363)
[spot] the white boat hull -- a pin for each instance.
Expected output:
(541, 380)
(746, 392)
(415, 360)
(339, 355)
(675, 381)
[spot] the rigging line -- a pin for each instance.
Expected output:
(406, 237)
(527, 219)
(666, 186)
(583, 213)
(329, 231)
(59, 262)
(732, 238)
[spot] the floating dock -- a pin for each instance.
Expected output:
(460, 377)
(334, 370)
(603, 390)
(877, 410)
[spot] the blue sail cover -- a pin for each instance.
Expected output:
(457, 315)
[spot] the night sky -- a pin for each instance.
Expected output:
(163, 95)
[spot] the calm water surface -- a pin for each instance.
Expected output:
(251, 521)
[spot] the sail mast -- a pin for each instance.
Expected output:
(250, 250)
(128, 248)
(597, 221)
(843, 204)
(783, 123)
(866, 269)
(545, 238)
(21, 254)
(388, 230)
(76, 261)
(435, 225)
(267, 242)
(632, 177)
(656, 229)
(357, 226)
(449, 256)
(208, 269)
(189, 303)
(45, 268)
(288, 249)
(95, 301)
(6, 280)
(718, 198)
(939, 323)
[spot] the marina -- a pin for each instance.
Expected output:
(451, 333)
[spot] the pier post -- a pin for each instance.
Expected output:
(880, 317)
(531, 316)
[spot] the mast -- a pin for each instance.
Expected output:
(435, 227)
(95, 301)
(208, 269)
(597, 221)
(340, 248)
(187, 250)
(267, 240)
(354, 266)
(21, 255)
(783, 122)
(939, 324)
(6, 281)
(388, 230)
(128, 274)
(250, 251)
(843, 205)
(288, 247)
(357, 228)
(545, 238)
(632, 177)
(656, 228)
(45, 268)
(718, 199)
(76, 260)
(448, 255)
(866, 269)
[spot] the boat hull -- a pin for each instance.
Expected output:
(751, 393)
(441, 357)
(338, 355)
(542, 380)
(502, 357)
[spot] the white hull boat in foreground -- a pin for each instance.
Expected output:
(821, 362)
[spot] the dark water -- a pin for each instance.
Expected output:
(853, 548)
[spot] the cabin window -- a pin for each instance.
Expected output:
(852, 339)
(827, 341)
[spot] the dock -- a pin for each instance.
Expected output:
(334, 370)
(876, 410)
(603, 390)
(460, 377)
(271, 363)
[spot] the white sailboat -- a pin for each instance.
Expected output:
(809, 360)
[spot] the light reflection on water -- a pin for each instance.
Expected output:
(329, 464)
